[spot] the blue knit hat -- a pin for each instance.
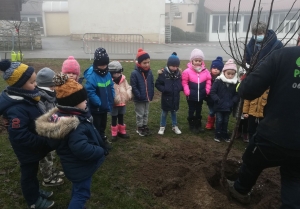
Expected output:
(173, 60)
(217, 63)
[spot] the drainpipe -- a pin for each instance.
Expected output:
(160, 27)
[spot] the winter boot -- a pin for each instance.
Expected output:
(107, 143)
(122, 131)
(242, 198)
(191, 121)
(42, 203)
(114, 133)
(210, 122)
(245, 138)
(198, 126)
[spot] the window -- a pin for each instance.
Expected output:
(190, 18)
(219, 23)
(177, 14)
(167, 15)
(24, 19)
(246, 23)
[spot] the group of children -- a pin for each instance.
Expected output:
(47, 112)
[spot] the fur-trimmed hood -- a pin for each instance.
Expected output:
(55, 130)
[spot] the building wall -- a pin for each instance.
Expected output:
(119, 17)
(182, 20)
(57, 24)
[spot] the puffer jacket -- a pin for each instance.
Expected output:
(80, 147)
(142, 86)
(122, 92)
(256, 107)
(170, 87)
(196, 85)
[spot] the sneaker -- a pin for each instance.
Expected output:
(242, 198)
(161, 130)
(141, 131)
(176, 130)
(53, 181)
(58, 174)
(227, 140)
(45, 194)
(217, 139)
(42, 203)
(147, 130)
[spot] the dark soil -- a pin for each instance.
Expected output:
(188, 176)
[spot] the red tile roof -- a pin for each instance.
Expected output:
(246, 5)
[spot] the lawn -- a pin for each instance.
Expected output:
(119, 183)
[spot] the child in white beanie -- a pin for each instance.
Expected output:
(224, 95)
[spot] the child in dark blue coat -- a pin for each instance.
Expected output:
(19, 105)
(224, 95)
(169, 84)
(81, 149)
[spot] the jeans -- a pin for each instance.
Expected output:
(195, 109)
(29, 182)
(81, 192)
(99, 121)
(261, 154)
(211, 110)
(222, 119)
(163, 118)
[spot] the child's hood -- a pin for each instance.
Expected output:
(55, 130)
(7, 101)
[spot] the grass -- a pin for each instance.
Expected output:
(112, 185)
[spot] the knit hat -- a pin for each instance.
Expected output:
(217, 63)
(197, 54)
(173, 60)
(100, 57)
(142, 55)
(68, 92)
(70, 65)
(15, 74)
(115, 67)
(230, 65)
(44, 78)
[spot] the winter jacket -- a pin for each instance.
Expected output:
(271, 44)
(20, 114)
(279, 72)
(79, 148)
(224, 96)
(100, 91)
(256, 107)
(209, 100)
(170, 86)
(196, 85)
(122, 92)
(47, 101)
(142, 86)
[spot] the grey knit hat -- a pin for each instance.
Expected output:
(44, 77)
(115, 67)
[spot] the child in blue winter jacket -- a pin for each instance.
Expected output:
(224, 95)
(19, 106)
(142, 83)
(80, 147)
(100, 90)
(169, 84)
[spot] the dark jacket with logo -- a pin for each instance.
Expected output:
(170, 86)
(142, 85)
(20, 114)
(280, 72)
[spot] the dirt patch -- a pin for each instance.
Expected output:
(187, 175)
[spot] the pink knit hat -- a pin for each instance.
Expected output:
(70, 65)
(197, 54)
(230, 65)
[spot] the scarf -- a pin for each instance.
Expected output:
(32, 95)
(173, 74)
(226, 80)
(117, 80)
(101, 72)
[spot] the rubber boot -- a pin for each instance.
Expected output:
(114, 133)
(210, 123)
(122, 131)
(198, 126)
(191, 124)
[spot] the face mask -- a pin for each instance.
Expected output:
(259, 38)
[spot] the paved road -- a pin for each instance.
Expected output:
(62, 47)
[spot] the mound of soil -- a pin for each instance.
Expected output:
(188, 176)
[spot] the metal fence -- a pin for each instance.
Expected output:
(113, 43)
(7, 42)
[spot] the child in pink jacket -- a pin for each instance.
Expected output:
(196, 82)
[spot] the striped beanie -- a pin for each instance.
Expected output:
(68, 91)
(16, 74)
